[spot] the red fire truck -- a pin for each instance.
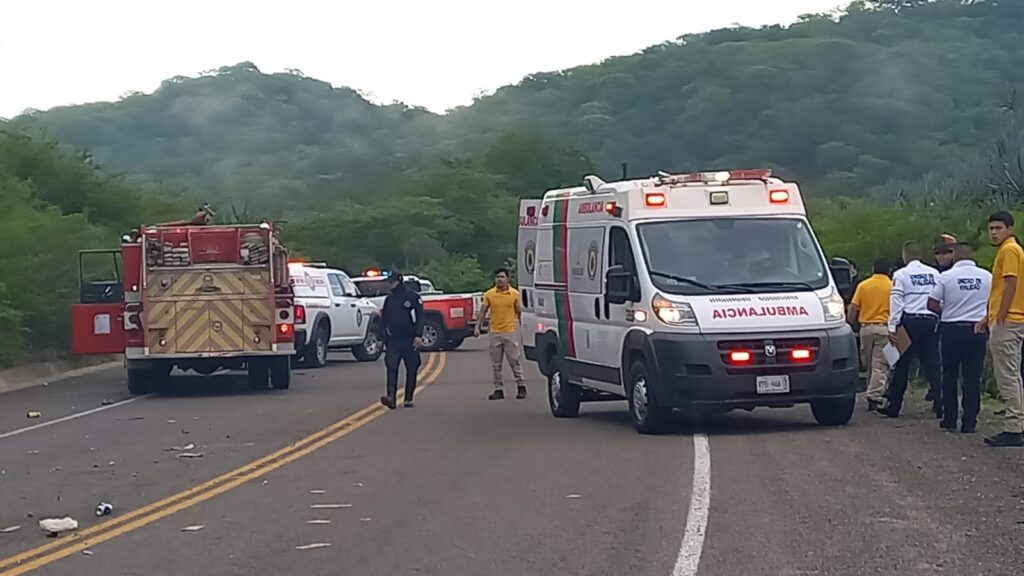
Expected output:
(195, 297)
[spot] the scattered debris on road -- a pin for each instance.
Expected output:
(573, 496)
(130, 419)
(190, 455)
(10, 529)
(106, 402)
(186, 448)
(318, 521)
(172, 421)
(313, 546)
(86, 552)
(367, 519)
(111, 463)
(33, 414)
(357, 484)
(55, 469)
(329, 506)
(193, 528)
(33, 452)
(104, 509)
(54, 526)
(318, 491)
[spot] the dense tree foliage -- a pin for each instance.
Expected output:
(54, 204)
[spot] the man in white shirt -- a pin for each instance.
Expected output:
(908, 307)
(961, 299)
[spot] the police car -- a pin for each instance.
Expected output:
(331, 314)
(689, 291)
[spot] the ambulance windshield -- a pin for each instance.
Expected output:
(732, 255)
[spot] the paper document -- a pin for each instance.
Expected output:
(892, 354)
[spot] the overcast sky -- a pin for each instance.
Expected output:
(432, 53)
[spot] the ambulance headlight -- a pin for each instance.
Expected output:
(835, 308)
(673, 313)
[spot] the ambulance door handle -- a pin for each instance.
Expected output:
(597, 308)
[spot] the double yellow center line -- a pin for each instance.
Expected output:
(123, 524)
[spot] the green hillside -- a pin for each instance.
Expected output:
(848, 106)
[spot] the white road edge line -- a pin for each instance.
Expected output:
(70, 417)
(697, 516)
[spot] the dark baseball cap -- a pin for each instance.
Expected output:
(944, 243)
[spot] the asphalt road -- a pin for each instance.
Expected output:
(460, 486)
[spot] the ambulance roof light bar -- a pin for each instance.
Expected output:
(720, 177)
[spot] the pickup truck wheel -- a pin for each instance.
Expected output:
(433, 334)
(259, 374)
(316, 353)
(563, 397)
(280, 373)
(833, 411)
(454, 343)
(648, 418)
(371, 348)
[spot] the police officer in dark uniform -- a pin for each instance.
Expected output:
(403, 327)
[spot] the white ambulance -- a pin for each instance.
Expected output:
(703, 290)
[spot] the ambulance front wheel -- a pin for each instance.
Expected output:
(833, 411)
(563, 397)
(648, 417)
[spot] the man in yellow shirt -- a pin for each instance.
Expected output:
(1005, 322)
(870, 309)
(503, 302)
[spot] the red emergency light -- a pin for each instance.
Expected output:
(613, 209)
(778, 196)
(740, 357)
(655, 200)
(799, 355)
(371, 273)
(300, 314)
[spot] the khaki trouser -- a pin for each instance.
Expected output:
(873, 339)
(505, 345)
(1005, 344)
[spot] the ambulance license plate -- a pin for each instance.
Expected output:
(773, 384)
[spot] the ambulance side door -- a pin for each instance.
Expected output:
(586, 290)
(614, 322)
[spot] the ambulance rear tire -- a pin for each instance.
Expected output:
(833, 411)
(563, 396)
(259, 374)
(648, 417)
(280, 373)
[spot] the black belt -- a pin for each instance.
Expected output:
(964, 323)
(921, 316)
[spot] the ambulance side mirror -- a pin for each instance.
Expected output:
(843, 277)
(620, 286)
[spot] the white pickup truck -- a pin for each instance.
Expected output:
(448, 318)
(331, 314)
